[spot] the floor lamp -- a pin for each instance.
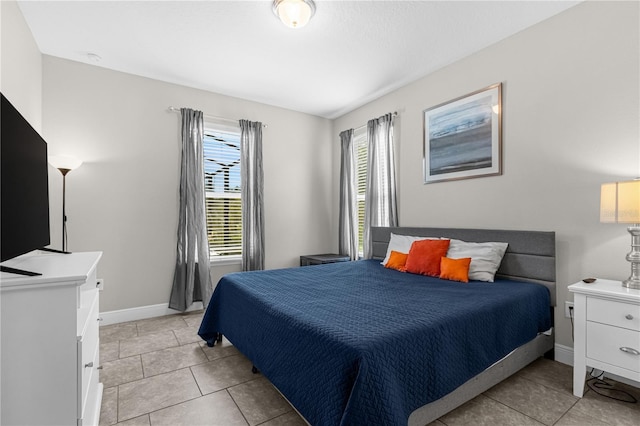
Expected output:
(65, 165)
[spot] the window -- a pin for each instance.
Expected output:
(360, 141)
(223, 201)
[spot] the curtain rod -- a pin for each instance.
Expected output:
(231, 120)
(394, 113)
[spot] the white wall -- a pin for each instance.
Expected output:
(124, 199)
(571, 122)
(20, 64)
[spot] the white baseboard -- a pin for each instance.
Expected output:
(142, 312)
(564, 354)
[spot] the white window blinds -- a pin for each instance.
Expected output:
(360, 141)
(222, 191)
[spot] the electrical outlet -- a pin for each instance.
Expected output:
(567, 307)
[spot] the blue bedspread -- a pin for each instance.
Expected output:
(353, 343)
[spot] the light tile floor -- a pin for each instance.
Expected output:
(159, 372)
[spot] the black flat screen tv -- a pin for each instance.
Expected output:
(24, 185)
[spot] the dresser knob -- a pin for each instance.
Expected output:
(99, 367)
(630, 351)
(91, 363)
(629, 316)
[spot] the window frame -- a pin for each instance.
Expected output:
(213, 126)
(360, 143)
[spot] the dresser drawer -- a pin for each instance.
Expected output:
(604, 343)
(91, 403)
(88, 356)
(619, 314)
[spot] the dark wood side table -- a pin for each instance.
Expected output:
(319, 259)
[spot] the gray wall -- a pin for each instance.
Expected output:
(124, 199)
(20, 64)
(571, 122)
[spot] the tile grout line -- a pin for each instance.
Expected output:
(571, 394)
(117, 403)
(261, 376)
(569, 409)
(192, 399)
(168, 406)
(276, 417)
(544, 386)
(202, 350)
(196, 380)
(155, 350)
(144, 374)
(142, 367)
(236, 404)
(516, 410)
(130, 381)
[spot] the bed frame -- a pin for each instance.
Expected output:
(530, 256)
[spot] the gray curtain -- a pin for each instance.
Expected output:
(380, 196)
(191, 280)
(348, 220)
(252, 195)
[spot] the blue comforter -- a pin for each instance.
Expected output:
(353, 343)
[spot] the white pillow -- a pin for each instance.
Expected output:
(485, 257)
(402, 244)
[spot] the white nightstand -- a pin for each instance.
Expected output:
(606, 330)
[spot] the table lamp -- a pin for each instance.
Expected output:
(620, 203)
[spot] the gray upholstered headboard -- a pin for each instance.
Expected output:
(530, 256)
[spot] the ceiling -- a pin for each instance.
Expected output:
(350, 53)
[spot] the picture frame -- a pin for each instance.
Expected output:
(463, 137)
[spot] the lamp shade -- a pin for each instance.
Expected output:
(294, 13)
(620, 202)
(64, 162)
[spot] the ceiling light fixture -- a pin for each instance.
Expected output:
(294, 13)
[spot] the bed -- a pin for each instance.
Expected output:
(355, 343)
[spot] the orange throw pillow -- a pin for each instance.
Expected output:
(396, 261)
(455, 269)
(424, 257)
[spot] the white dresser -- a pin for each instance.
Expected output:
(49, 351)
(606, 330)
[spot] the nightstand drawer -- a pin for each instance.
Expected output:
(604, 344)
(619, 314)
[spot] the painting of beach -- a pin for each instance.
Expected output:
(462, 137)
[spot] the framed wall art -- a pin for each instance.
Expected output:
(463, 137)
